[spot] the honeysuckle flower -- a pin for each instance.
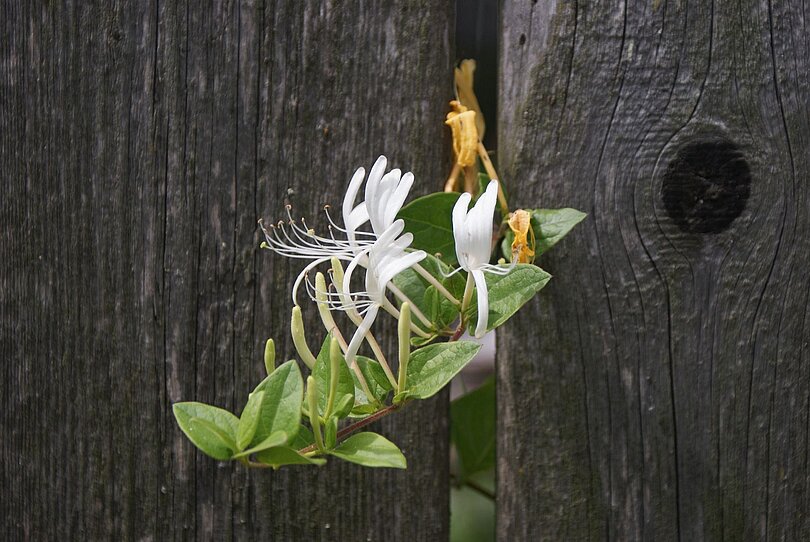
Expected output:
(472, 230)
(384, 260)
(385, 193)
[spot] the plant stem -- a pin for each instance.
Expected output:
(457, 333)
(349, 429)
(484, 155)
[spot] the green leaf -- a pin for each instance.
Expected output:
(426, 297)
(209, 438)
(374, 373)
(279, 438)
(429, 220)
(422, 341)
(553, 225)
(249, 420)
(344, 404)
(432, 367)
(370, 450)
(363, 410)
(283, 455)
(219, 442)
(472, 428)
(378, 384)
(322, 374)
(281, 407)
(507, 293)
(549, 226)
(303, 439)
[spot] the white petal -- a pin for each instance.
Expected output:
(378, 200)
(351, 192)
(347, 275)
(479, 225)
(397, 198)
(459, 229)
(374, 177)
(360, 334)
(391, 233)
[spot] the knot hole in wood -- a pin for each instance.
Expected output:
(706, 185)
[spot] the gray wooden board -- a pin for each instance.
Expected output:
(141, 141)
(658, 388)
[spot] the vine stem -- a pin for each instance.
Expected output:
(457, 333)
(351, 428)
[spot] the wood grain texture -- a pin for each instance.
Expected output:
(141, 141)
(658, 388)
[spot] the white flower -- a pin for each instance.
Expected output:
(384, 260)
(384, 196)
(472, 231)
(385, 193)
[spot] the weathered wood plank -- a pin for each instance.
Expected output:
(141, 142)
(658, 389)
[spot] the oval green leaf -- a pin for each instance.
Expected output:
(213, 432)
(370, 450)
(281, 407)
(432, 367)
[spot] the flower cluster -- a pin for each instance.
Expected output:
(425, 263)
(381, 256)
(384, 252)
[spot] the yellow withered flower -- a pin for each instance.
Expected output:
(523, 245)
(465, 134)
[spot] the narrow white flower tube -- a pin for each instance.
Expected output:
(472, 231)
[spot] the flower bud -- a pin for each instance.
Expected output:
(299, 339)
(404, 329)
(323, 303)
(269, 356)
(312, 404)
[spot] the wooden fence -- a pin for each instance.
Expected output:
(658, 389)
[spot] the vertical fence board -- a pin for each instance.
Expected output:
(141, 142)
(658, 388)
